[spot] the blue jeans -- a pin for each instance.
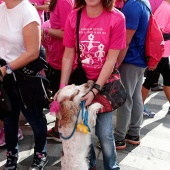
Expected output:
(104, 132)
(35, 117)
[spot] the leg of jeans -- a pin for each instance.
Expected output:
(92, 156)
(104, 131)
(37, 121)
(11, 125)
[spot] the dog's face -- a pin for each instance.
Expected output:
(69, 99)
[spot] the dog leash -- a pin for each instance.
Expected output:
(84, 127)
(84, 118)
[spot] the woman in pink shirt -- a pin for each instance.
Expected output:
(162, 14)
(100, 44)
(53, 31)
(41, 6)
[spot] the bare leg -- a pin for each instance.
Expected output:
(56, 125)
(167, 92)
(145, 93)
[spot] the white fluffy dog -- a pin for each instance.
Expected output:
(76, 148)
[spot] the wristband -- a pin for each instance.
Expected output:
(97, 87)
(93, 92)
(62, 85)
(9, 67)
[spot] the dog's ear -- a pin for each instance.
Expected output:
(67, 110)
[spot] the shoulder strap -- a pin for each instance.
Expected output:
(77, 33)
(146, 6)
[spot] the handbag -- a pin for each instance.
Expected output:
(113, 94)
(34, 68)
(78, 76)
(5, 105)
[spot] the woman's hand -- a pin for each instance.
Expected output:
(3, 72)
(88, 98)
(152, 68)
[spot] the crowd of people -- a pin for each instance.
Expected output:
(102, 46)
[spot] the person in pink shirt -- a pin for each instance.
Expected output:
(162, 14)
(52, 40)
(100, 44)
(41, 6)
(155, 4)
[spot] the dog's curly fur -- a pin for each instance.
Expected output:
(76, 148)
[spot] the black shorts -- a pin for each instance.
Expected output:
(163, 68)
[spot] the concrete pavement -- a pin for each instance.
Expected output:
(152, 154)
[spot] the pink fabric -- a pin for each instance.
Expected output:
(46, 39)
(119, 4)
(162, 15)
(62, 85)
(54, 108)
(1, 2)
(155, 4)
(40, 12)
(57, 21)
(96, 38)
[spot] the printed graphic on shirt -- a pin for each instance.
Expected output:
(91, 49)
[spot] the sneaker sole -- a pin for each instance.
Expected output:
(55, 139)
(147, 116)
(155, 90)
(120, 147)
(45, 165)
(3, 144)
(132, 142)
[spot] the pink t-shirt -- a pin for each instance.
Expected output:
(97, 36)
(40, 12)
(155, 4)
(57, 21)
(162, 15)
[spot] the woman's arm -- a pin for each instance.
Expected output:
(44, 7)
(56, 33)
(67, 65)
(129, 35)
(32, 39)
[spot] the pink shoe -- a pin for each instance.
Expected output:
(20, 134)
(2, 137)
